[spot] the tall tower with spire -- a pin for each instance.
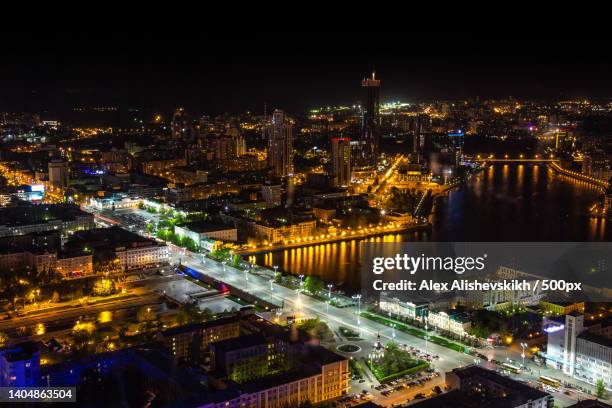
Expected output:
(370, 121)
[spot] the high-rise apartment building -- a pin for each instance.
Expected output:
(279, 132)
(341, 161)
(370, 121)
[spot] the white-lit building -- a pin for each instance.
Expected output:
(138, 257)
(396, 307)
(273, 232)
(583, 352)
(200, 231)
(114, 202)
(456, 323)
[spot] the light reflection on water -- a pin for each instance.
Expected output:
(502, 203)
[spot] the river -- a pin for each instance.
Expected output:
(505, 202)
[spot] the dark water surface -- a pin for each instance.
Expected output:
(502, 203)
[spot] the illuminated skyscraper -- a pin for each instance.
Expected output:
(279, 132)
(370, 121)
(341, 161)
(421, 144)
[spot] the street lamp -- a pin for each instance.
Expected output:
(393, 328)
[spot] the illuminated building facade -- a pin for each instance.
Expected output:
(279, 132)
(579, 350)
(341, 161)
(179, 339)
(370, 121)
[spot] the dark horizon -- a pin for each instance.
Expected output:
(228, 77)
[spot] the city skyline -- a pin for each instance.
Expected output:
(203, 222)
(233, 77)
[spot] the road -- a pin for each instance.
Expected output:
(302, 305)
(66, 318)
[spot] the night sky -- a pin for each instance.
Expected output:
(211, 75)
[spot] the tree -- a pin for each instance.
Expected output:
(236, 260)
(189, 244)
(145, 313)
(313, 284)
(190, 313)
(150, 227)
(600, 388)
(104, 287)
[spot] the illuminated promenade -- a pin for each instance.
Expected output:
(346, 235)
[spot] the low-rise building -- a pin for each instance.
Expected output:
(475, 386)
(70, 265)
(20, 365)
(74, 265)
(320, 376)
(552, 308)
(114, 202)
(202, 230)
(412, 173)
(410, 310)
(324, 214)
(129, 250)
(276, 231)
(580, 350)
(399, 218)
(27, 219)
(178, 339)
(608, 201)
(456, 323)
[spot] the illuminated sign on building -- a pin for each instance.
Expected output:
(554, 329)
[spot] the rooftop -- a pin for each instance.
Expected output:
(20, 352)
(37, 214)
(596, 338)
(112, 237)
(203, 226)
(590, 404)
(515, 392)
(241, 342)
(199, 326)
